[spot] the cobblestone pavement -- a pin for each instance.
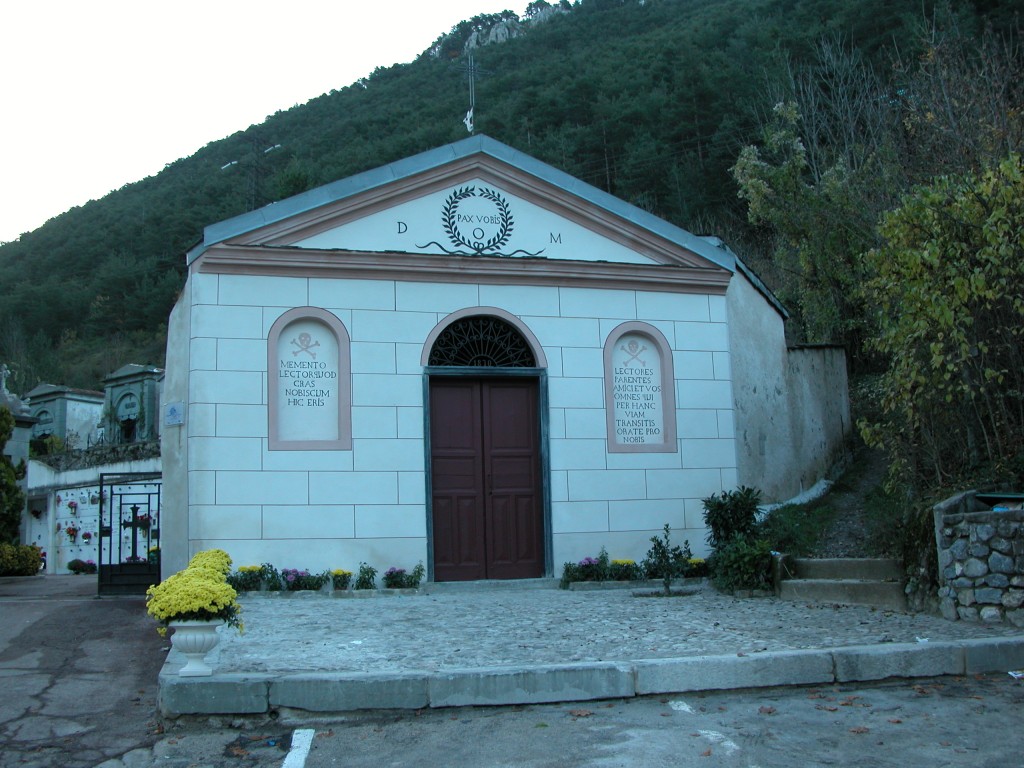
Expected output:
(496, 628)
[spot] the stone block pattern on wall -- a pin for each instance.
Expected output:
(981, 560)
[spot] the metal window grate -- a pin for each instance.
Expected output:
(481, 341)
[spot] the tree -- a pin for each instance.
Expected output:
(12, 498)
(949, 289)
(825, 171)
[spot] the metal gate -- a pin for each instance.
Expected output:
(129, 533)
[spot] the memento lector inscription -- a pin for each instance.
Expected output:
(637, 398)
(307, 386)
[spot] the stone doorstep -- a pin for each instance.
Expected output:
(240, 693)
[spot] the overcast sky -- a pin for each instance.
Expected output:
(99, 94)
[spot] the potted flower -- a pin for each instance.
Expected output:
(397, 578)
(340, 579)
(73, 506)
(78, 566)
(36, 513)
(297, 580)
(194, 602)
(72, 532)
(86, 536)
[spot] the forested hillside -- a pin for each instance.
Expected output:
(652, 101)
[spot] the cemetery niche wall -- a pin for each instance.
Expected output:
(473, 360)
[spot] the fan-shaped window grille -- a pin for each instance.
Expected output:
(482, 341)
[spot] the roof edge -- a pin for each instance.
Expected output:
(438, 157)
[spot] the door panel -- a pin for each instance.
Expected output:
(485, 464)
(457, 474)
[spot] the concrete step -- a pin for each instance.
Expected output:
(887, 595)
(872, 569)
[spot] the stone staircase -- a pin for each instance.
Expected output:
(876, 582)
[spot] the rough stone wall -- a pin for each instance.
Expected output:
(981, 562)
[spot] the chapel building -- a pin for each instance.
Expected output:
(470, 359)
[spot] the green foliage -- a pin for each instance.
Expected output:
(297, 580)
(45, 446)
(600, 568)
(666, 561)
(741, 564)
(733, 514)
(81, 566)
(951, 320)
(12, 498)
(624, 570)
(367, 578)
(270, 578)
(20, 560)
(248, 578)
(398, 578)
(794, 528)
(647, 101)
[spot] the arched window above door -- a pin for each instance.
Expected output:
(483, 337)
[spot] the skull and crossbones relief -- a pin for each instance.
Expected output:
(305, 343)
(634, 350)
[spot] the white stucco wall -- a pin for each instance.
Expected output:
(51, 490)
(174, 544)
(332, 509)
(792, 405)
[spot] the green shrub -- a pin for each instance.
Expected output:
(696, 567)
(731, 515)
(664, 561)
(20, 560)
(794, 528)
(367, 578)
(741, 564)
(270, 577)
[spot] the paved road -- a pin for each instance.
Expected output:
(78, 683)
(78, 673)
(949, 722)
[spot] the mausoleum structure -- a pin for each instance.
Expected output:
(132, 404)
(73, 415)
(471, 359)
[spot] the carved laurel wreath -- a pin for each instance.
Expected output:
(451, 227)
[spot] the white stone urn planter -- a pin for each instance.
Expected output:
(193, 640)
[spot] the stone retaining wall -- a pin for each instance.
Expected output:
(981, 561)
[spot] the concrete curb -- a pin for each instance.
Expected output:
(340, 692)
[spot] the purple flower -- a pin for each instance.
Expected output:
(588, 561)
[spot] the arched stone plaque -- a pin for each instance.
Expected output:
(640, 397)
(309, 388)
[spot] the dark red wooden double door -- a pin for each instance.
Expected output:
(488, 518)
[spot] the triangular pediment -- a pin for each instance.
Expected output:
(476, 198)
